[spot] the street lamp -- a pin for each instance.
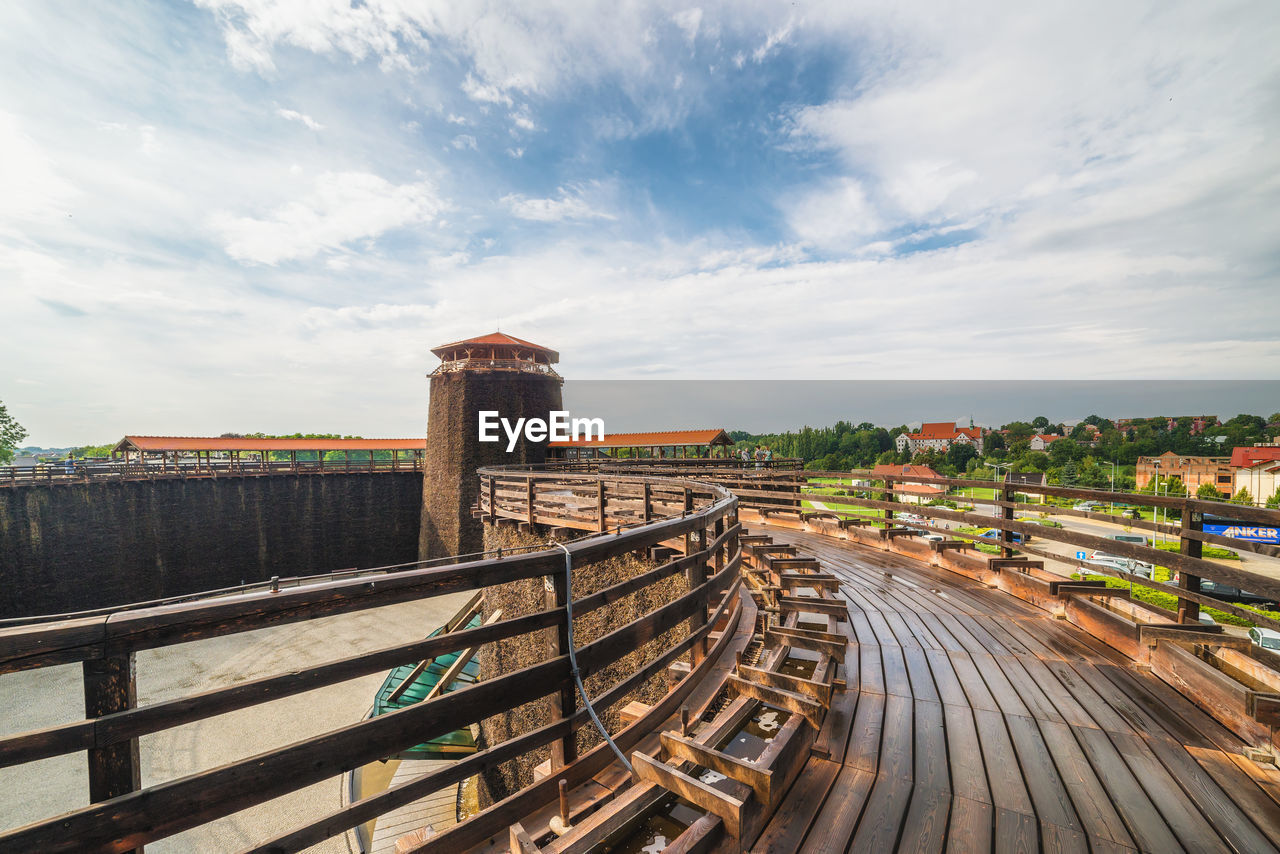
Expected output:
(1112, 502)
(1155, 491)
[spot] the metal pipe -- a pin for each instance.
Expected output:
(573, 657)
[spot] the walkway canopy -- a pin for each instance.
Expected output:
(670, 444)
(166, 447)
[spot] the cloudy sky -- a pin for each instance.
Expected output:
(240, 215)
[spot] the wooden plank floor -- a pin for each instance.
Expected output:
(976, 722)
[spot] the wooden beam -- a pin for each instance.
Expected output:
(727, 809)
(798, 704)
(819, 691)
(759, 779)
(833, 645)
(838, 608)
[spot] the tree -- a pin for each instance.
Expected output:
(1274, 501)
(1040, 422)
(1209, 492)
(1243, 496)
(11, 433)
(960, 453)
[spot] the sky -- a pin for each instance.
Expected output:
(260, 215)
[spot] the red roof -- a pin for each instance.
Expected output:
(1047, 437)
(945, 430)
(650, 440)
(157, 444)
(919, 489)
(496, 339)
(1250, 457)
(897, 471)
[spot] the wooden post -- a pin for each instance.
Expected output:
(648, 507)
(1189, 611)
(888, 496)
(529, 497)
(1006, 536)
(696, 574)
(563, 702)
(493, 506)
(601, 524)
(110, 686)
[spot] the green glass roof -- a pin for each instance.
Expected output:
(446, 746)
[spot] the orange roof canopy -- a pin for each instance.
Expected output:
(498, 340)
(674, 438)
(160, 444)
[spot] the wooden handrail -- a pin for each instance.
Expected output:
(128, 819)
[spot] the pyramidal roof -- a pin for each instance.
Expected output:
(495, 339)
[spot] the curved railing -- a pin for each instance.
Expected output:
(631, 514)
(794, 493)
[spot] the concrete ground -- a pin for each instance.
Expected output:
(40, 698)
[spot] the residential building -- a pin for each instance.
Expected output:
(1192, 471)
(1041, 441)
(910, 493)
(1256, 469)
(1198, 422)
(938, 436)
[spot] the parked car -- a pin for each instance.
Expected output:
(1121, 564)
(1227, 593)
(994, 533)
(1087, 506)
(934, 538)
(1265, 638)
(1205, 619)
(1127, 564)
(1131, 538)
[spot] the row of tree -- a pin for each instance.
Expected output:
(1104, 457)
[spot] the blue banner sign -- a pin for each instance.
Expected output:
(1253, 533)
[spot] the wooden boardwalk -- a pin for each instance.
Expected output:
(976, 722)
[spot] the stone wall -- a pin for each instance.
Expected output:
(454, 452)
(67, 548)
(526, 597)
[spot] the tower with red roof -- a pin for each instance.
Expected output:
(492, 372)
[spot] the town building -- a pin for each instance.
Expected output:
(910, 493)
(1199, 423)
(1256, 469)
(1192, 471)
(1041, 441)
(938, 436)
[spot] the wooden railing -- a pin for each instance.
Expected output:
(97, 472)
(123, 816)
(786, 493)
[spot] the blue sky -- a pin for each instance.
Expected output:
(260, 215)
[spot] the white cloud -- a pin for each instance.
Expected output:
(523, 121)
(342, 208)
(836, 215)
(465, 140)
(774, 39)
(571, 203)
(688, 20)
(33, 187)
(303, 118)
(484, 92)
